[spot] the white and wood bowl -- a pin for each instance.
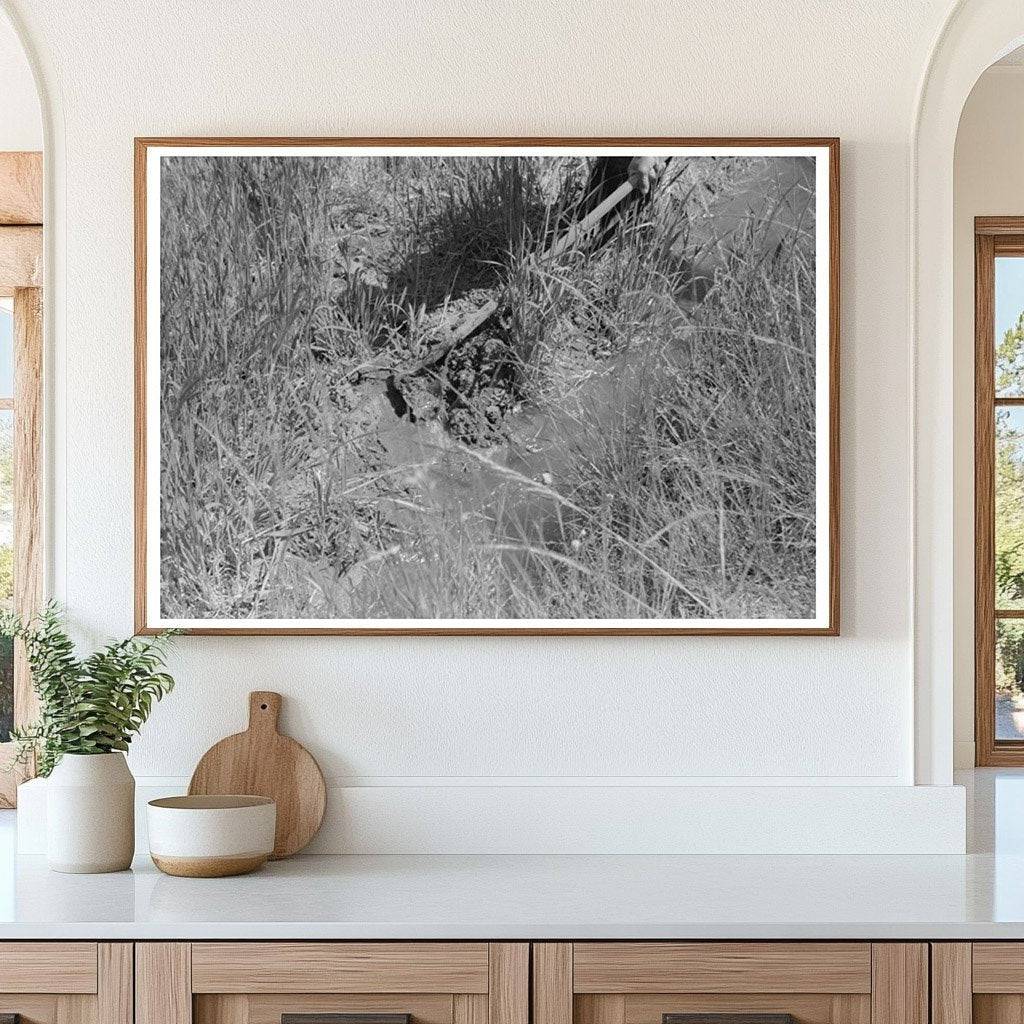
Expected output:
(211, 836)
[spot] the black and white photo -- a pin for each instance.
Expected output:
(469, 387)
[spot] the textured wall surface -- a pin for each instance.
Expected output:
(21, 125)
(730, 711)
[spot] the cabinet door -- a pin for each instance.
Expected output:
(737, 982)
(980, 982)
(66, 982)
(332, 983)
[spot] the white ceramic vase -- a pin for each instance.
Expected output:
(90, 814)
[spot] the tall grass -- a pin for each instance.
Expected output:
(632, 437)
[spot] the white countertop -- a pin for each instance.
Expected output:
(978, 896)
(532, 897)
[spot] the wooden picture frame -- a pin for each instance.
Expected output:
(825, 621)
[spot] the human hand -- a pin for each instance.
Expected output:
(644, 172)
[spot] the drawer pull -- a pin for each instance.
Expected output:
(340, 1018)
(728, 1018)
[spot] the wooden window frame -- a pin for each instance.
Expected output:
(993, 236)
(21, 268)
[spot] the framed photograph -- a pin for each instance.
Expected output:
(487, 386)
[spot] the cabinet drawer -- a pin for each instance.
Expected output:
(48, 967)
(735, 982)
(66, 982)
(340, 967)
(629, 967)
(998, 967)
(980, 982)
(263, 982)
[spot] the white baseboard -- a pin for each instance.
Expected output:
(599, 819)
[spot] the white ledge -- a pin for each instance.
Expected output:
(599, 819)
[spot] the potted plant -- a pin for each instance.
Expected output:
(89, 709)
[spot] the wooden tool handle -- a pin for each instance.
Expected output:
(264, 710)
(582, 227)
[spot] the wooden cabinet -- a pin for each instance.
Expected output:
(649, 982)
(980, 982)
(494, 983)
(260, 982)
(66, 982)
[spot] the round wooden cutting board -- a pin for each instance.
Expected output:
(262, 762)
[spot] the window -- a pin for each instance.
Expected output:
(999, 490)
(6, 510)
(21, 256)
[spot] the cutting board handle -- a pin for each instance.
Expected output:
(264, 710)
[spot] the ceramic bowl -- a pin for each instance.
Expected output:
(211, 836)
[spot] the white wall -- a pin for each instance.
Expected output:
(443, 713)
(988, 181)
(21, 125)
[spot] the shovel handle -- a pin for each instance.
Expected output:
(581, 227)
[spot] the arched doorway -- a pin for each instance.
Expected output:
(976, 33)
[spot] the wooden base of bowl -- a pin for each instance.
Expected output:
(210, 867)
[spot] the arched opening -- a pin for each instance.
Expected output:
(976, 34)
(988, 272)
